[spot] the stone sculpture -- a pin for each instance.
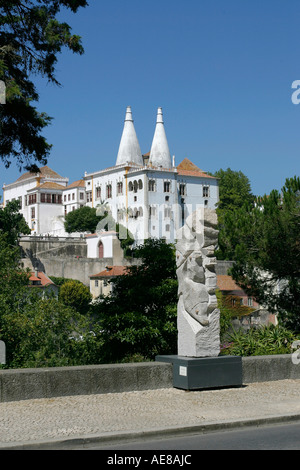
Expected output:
(198, 314)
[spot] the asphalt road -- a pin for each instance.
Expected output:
(275, 437)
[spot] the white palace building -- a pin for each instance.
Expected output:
(147, 194)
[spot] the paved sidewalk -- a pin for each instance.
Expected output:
(77, 421)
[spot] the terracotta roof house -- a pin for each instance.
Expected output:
(99, 283)
(40, 281)
(229, 287)
(238, 297)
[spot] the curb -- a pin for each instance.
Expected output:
(107, 439)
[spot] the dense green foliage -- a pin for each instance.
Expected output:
(84, 219)
(265, 241)
(234, 193)
(43, 331)
(39, 331)
(31, 38)
(76, 295)
(12, 223)
(139, 317)
(265, 340)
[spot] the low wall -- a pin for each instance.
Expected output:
(269, 368)
(26, 384)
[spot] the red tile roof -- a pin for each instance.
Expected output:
(45, 171)
(50, 185)
(226, 283)
(45, 281)
(187, 168)
(76, 184)
(112, 271)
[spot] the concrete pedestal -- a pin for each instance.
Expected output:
(191, 373)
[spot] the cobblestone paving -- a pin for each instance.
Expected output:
(66, 417)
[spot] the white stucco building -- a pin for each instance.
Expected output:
(147, 194)
(40, 197)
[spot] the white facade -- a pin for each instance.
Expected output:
(154, 198)
(40, 198)
(74, 196)
(146, 194)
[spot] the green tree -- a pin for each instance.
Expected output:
(234, 189)
(264, 239)
(139, 317)
(31, 38)
(39, 331)
(84, 219)
(75, 294)
(13, 278)
(12, 222)
(234, 193)
(43, 332)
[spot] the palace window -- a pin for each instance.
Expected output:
(89, 196)
(151, 185)
(108, 191)
(167, 186)
(98, 193)
(101, 250)
(182, 189)
(120, 188)
(31, 199)
(205, 191)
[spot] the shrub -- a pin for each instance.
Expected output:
(264, 340)
(75, 294)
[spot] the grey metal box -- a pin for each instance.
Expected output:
(193, 373)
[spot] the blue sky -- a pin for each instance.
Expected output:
(221, 70)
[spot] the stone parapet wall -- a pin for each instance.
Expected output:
(28, 384)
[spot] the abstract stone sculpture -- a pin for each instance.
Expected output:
(198, 314)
